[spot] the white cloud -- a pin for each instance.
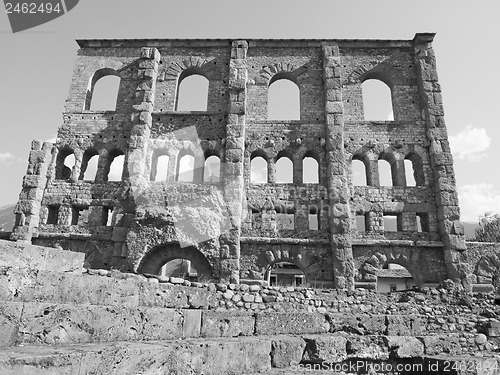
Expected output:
(476, 200)
(6, 157)
(470, 144)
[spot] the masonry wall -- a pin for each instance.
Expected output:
(234, 229)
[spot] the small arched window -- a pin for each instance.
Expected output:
(192, 92)
(359, 170)
(385, 173)
(185, 168)
(409, 173)
(211, 170)
(310, 170)
(65, 163)
(284, 170)
(102, 93)
(88, 170)
(258, 170)
(414, 170)
(114, 167)
(377, 101)
(283, 99)
(159, 170)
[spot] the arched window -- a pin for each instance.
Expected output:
(385, 173)
(360, 176)
(88, 170)
(310, 170)
(258, 170)
(211, 171)
(284, 170)
(377, 101)
(192, 92)
(114, 167)
(414, 170)
(185, 168)
(65, 163)
(102, 92)
(283, 99)
(410, 176)
(159, 170)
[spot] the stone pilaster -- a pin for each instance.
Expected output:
(28, 207)
(134, 174)
(450, 227)
(233, 164)
(141, 117)
(338, 189)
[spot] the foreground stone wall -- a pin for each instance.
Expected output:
(67, 320)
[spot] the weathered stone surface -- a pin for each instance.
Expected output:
(438, 344)
(405, 346)
(10, 316)
(286, 351)
(227, 324)
(211, 357)
(41, 258)
(360, 324)
(296, 323)
(400, 325)
(325, 348)
(367, 347)
(43, 323)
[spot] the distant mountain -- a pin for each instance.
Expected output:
(7, 218)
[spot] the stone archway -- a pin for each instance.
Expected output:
(369, 269)
(309, 264)
(156, 258)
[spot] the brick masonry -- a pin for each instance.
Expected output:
(133, 224)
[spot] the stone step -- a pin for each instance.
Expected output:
(42, 323)
(26, 256)
(223, 356)
(244, 355)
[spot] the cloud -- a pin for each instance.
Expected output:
(476, 200)
(6, 157)
(470, 144)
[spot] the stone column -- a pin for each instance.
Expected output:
(338, 189)
(141, 117)
(448, 214)
(28, 207)
(135, 177)
(398, 171)
(233, 181)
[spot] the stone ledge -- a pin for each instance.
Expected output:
(243, 355)
(217, 357)
(279, 240)
(23, 256)
(372, 242)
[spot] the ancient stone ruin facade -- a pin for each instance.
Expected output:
(230, 227)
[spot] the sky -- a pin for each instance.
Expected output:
(36, 65)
